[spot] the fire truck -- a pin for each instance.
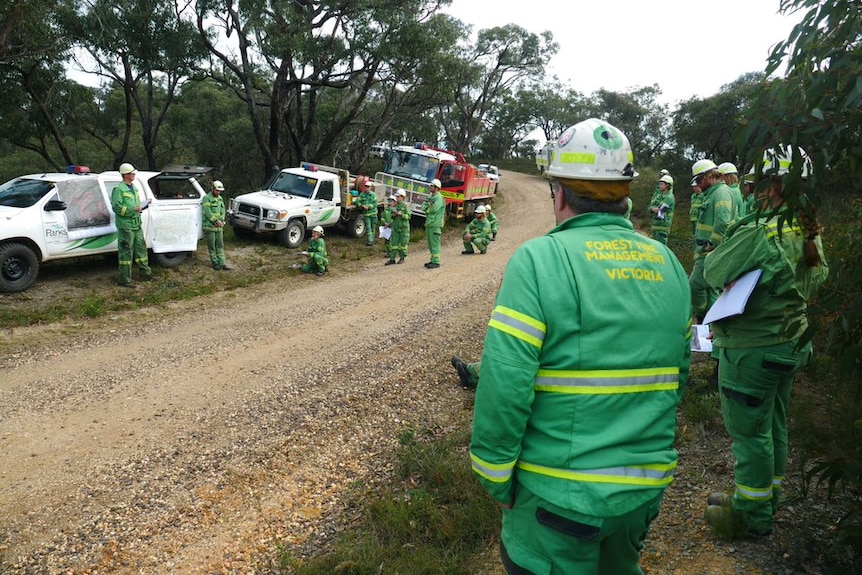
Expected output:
(412, 168)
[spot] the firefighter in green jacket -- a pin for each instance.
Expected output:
(477, 233)
(759, 349)
(318, 262)
(367, 202)
(400, 228)
(213, 216)
(717, 210)
(730, 177)
(386, 222)
(661, 209)
(131, 246)
(584, 362)
(492, 220)
(749, 196)
(434, 207)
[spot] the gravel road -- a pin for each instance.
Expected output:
(196, 437)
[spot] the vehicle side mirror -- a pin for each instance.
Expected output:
(55, 206)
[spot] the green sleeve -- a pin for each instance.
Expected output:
(746, 250)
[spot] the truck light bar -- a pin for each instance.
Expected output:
(77, 170)
(309, 167)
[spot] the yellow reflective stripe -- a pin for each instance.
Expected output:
(704, 227)
(754, 493)
(577, 158)
(494, 472)
(724, 204)
(518, 325)
(777, 481)
(653, 475)
(772, 229)
(607, 382)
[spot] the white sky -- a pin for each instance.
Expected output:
(688, 48)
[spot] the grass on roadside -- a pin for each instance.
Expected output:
(433, 518)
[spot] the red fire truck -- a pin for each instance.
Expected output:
(413, 167)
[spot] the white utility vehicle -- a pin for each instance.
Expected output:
(51, 216)
(297, 199)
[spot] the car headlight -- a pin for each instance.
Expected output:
(276, 214)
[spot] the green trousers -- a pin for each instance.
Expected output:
(433, 236)
(473, 370)
(370, 226)
(131, 248)
(661, 233)
(398, 242)
(755, 388)
(215, 246)
(316, 263)
(543, 539)
(481, 243)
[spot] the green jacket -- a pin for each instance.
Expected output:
(479, 229)
(492, 219)
(401, 217)
(317, 247)
(367, 202)
(124, 200)
(386, 215)
(694, 211)
(668, 201)
(212, 211)
(716, 212)
(585, 359)
(776, 311)
(750, 203)
(434, 207)
(738, 201)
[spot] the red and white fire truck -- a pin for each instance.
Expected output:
(413, 167)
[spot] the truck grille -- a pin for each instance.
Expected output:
(251, 210)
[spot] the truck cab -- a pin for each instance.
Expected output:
(52, 216)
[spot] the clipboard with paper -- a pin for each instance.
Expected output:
(734, 298)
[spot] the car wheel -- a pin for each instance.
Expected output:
(19, 267)
(292, 236)
(356, 226)
(170, 259)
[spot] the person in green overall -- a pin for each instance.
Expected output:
(749, 196)
(400, 228)
(318, 262)
(131, 246)
(492, 220)
(661, 209)
(694, 210)
(386, 222)
(213, 216)
(367, 202)
(716, 212)
(434, 207)
(477, 233)
(759, 349)
(730, 177)
(585, 360)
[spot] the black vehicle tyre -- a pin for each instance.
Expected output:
(293, 235)
(356, 226)
(171, 259)
(19, 268)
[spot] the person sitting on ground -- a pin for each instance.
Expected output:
(468, 373)
(318, 262)
(478, 233)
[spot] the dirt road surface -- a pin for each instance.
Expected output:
(195, 438)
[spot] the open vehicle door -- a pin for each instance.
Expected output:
(175, 209)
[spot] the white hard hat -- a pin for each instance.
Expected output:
(217, 185)
(317, 229)
(480, 209)
(401, 192)
(778, 161)
(487, 207)
(391, 199)
(666, 179)
(663, 172)
(701, 167)
(127, 168)
(593, 150)
(727, 168)
(436, 182)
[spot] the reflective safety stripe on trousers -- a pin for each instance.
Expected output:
(653, 475)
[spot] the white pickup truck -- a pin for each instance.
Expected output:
(297, 199)
(53, 216)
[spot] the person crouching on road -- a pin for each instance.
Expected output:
(213, 215)
(477, 233)
(584, 363)
(131, 246)
(400, 228)
(318, 262)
